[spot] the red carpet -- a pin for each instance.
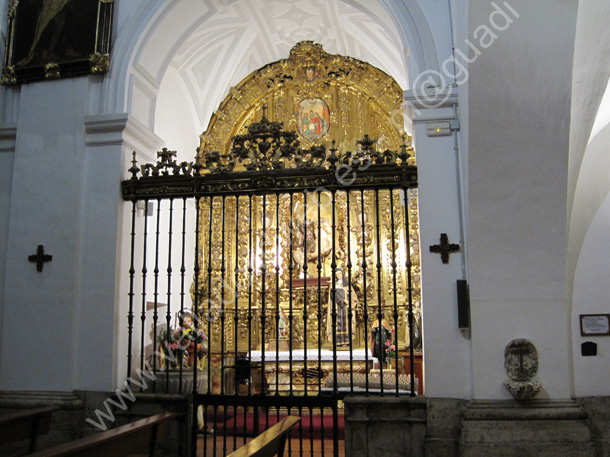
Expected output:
(315, 426)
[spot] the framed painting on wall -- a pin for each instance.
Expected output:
(51, 39)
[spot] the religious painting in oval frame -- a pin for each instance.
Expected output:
(313, 118)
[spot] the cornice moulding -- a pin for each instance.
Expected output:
(124, 130)
(430, 99)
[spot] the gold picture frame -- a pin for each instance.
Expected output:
(51, 39)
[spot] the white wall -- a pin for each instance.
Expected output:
(7, 157)
(588, 189)
(57, 323)
(591, 296)
(519, 113)
(588, 184)
(447, 349)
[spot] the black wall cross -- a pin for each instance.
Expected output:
(40, 257)
(445, 248)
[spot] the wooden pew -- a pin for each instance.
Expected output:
(27, 424)
(117, 442)
(269, 443)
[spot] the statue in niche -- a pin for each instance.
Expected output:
(342, 298)
(417, 325)
(312, 244)
(381, 338)
(282, 324)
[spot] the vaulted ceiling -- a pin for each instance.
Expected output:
(209, 49)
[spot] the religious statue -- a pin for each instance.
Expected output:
(417, 326)
(381, 335)
(343, 293)
(192, 340)
(186, 340)
(317, 241)
(282, 324)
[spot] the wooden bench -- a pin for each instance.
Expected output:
(27, 424)
(269, 443)
(117, 442)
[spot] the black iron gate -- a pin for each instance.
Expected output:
(292, 288)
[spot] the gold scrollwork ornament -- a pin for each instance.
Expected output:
(8, 76)
(52, 71)
(12, 8)
(99, 63)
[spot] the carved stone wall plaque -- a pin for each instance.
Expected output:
(521, 360)
(521, 365)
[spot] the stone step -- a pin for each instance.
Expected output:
(529, 449)
(547, 428)
(510, 431)
(532, 410)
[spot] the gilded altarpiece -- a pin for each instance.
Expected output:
(360, 99)
(257, 281)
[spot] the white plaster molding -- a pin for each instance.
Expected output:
(121, 129)
(416, 36)
(141, 139)
(143, 100)
(430, 99)
(434, 115)
(139, 21)
(105, 129)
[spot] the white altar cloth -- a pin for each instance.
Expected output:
(298, 355)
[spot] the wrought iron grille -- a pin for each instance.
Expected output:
(294, 277)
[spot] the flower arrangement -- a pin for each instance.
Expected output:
(390, 349)
(390, 352)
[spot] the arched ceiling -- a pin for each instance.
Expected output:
(209, 46)
(589, 166)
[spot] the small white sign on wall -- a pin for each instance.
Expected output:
(594, 324)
